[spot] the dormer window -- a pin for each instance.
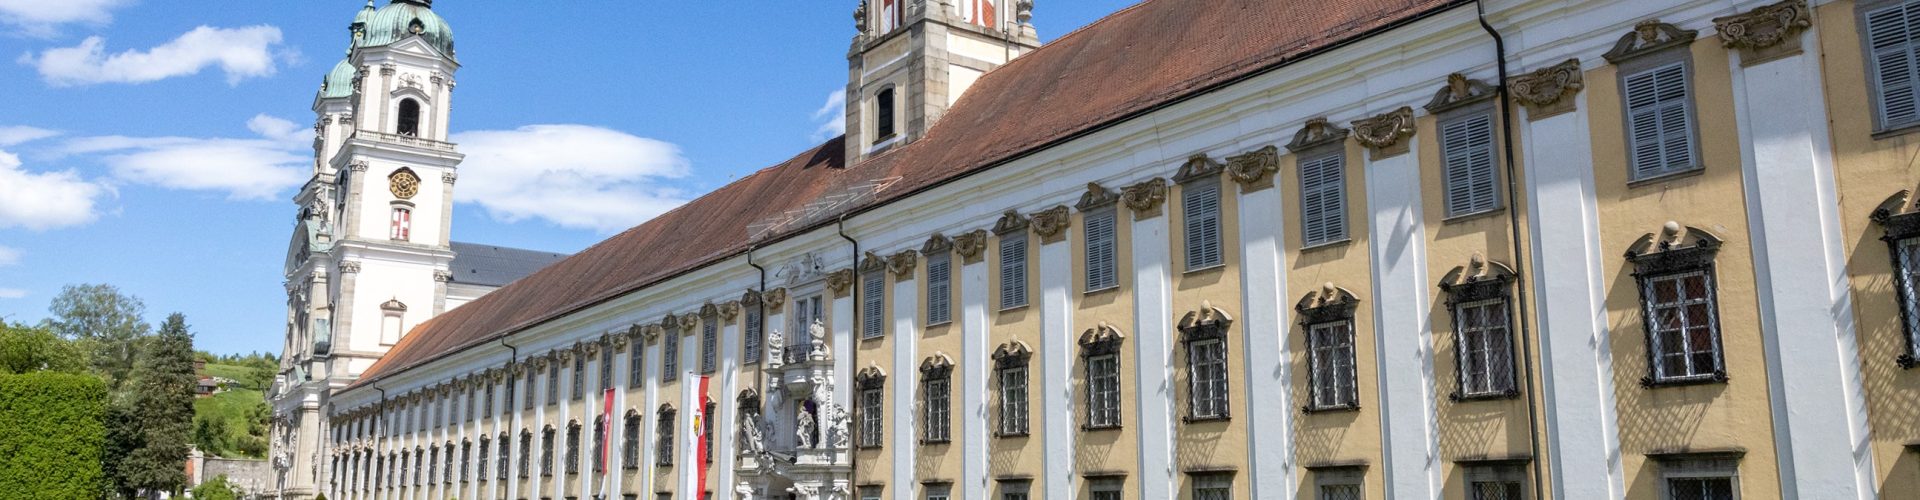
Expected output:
(883, 115)
(409, 124)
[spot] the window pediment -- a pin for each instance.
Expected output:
(1012, 354)
(1478, 280)
(1208, 322)
(936, 366)
(1648, 37)
(1897, 216)
(1674, 248)
(1330, 303)
(871, 377)
(1101, 340)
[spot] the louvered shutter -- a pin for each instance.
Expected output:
(1101, 265)
(939, 288)
(1323, 201)
(1467, 144)
(1202, 207)
(873, 303)
(1013, 270)
(1658, 122)
(1890, 34)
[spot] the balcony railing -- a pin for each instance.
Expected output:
(406, 140)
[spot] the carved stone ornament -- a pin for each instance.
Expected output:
(688, 322)
(838, 281)
(449, 177)
(901, 264)
(1385, 135)
(349, 266)
(1765, 33)
(1096, 197)
(776, 298)
(619, 340)
(1674, 248)
(936, 366)
(1648, 37)
(872, 263)
(564, 354)
(539, 362)
(1197, 167)
(442, 276)
(729, 310)
(970, 244)
(1102, 339)
(651, 332)
(1145, 197)
(1317, 132)
(1480, 279)
(1548, 91)
(590, 347)
(670, 322)
(1012, 354)
(1329, 303)
(936, 245)
(1254, 169)
(1206, 323)
(403, 183)
(709, 309)
(1010, 222)
(1051, 222)
(871, 377)
(1459, 91)
(357, 166)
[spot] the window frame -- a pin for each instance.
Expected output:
(753, 325)
(1192, 230)
(1647, 283)
(1340, 476)
(709, 343)
(939, 287)
(1472, 289)
(1648, 62)
(1106, 243)
(630, 442)
(663, 436)
(1329, 308)
(1484, 111)
(1695, 466)
(1512, 473)
(936, 406)
(1201, 330)
(1014, 291)
(873, 301)
(1013, 408)
(578, 390)
(1206, 485)
(1900, 229)
(670, 353)
(1315, 156)
(885, 115)
(1870, 66)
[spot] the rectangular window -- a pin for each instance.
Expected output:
(1013, 401)
(1323, 198)
(1108, 488)
(488, 407)
(1207, 378)
(709, 344)
(754, 323)
(1485, 347)
(1338, 483)
(505, 458)
(635, 366)
(883, 115)
(1496, 482)
(1700, 488)
(1212, 487)
(553, 382)
(530, 388)
(663, 450)
(1700, 478)
(1013, 270)
(939, 492)
(1200, 202)
(546, 452)
(1907, 281)
(1102, 249)
(872, 404)
(937, 407)
(526, 454)
(1682, 328)
(630, 442)
(1330, 357)
(1893, 65)
(1015, 490)
(606, 367)
(939, 288)
(873, 304)
(1103, 391)
(670, 355)
(1659, 120)
(579, 388)
(1466, 148)
(806, 312)
(402, 224)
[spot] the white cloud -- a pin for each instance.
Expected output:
(574, 176)
(9, 256)
(242, 53)
(12, 293)
(249, 169)
(41, 201)
(18, 134)
(834, 112)
(41, 17)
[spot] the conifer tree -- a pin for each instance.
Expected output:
(163, 381)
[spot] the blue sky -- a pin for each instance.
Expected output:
(154, 144)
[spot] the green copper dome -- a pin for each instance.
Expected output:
(339, 82)
(405, 18)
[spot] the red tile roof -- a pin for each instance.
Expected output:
(1143, 57)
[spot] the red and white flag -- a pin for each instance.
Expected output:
(700, 417)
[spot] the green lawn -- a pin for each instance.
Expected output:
(232, 406)
(235, 372)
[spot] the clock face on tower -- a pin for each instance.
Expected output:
(404, 184)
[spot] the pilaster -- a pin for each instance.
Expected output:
(1153, 322)
(1263, 280)
(1057, 351)
(973, 320)
(1402, 325)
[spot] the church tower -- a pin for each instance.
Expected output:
(913, 58)
(370, 256)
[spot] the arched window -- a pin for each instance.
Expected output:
(409, 124)
(883, 115)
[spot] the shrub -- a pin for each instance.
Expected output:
(52, 434)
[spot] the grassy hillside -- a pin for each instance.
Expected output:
(232, 423)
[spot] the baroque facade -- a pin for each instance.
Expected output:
(1212, 250)
(371, 255)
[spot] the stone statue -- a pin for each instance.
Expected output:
(803, 432)
(750, 438)
(837, 437)
(776, 349)
(818, 334)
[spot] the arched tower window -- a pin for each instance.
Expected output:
(883, 115)
(409, 124)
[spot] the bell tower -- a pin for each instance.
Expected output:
(912, 59)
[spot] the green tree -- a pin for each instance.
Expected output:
(108, 321)
(26, 349)
(52, 430)
(210, 434)
(163, 382)
(217, 488)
